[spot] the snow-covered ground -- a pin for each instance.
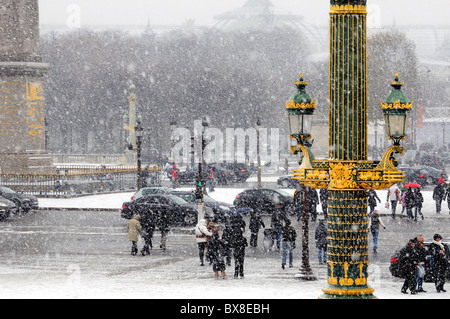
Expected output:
(179, 278)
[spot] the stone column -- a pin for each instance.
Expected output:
(22, 118)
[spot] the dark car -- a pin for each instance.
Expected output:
(221, 175)
(265, 200)
(220, 210)
(286, 181)
(424, 175)
(240, 170)
(179, 211)
(394, 266)
(7, 208)
(432, 160)
(151, 191)
(24, 202)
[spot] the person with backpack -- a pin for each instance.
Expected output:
(289, 235)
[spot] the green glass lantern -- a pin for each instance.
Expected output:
(395, 110)
(300, 110)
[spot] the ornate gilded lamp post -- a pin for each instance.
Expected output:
(347, 173)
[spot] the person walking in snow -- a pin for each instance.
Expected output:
(418, 200)
(439, 262)
(408, 263)
(439, 194)
(164, 223)
(216, 248)
(134, 226)
(374, 227)
(148, 226)
(421, 253)
(238, 244)
(255, 224)
(174, 175)
(447, 195)
(276, 223)
(313, 201)
(372, 200)
(321, 241)
(201, 231)
(289, 236)
(393, 197)
(409, 202)
(227, 237)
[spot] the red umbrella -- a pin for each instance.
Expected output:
(412, 185)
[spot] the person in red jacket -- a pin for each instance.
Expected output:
(174, 174)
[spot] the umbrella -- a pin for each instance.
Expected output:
(412, 185)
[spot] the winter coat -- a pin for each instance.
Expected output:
(277, 219)
(174, 172)
(216, 252)
(288, 233)
(393, 194)
(238, 244)
(256, 222)
(418, 199)
(372, 198)
(409, 199)
(164, 221)
(313, 199)
(201, 231)
(134, 226)
(148, 223)
(407, 261)
(439, 260)
(227, 236)
(238, 224)
(375, 221)
(321, 235)
(439, 192)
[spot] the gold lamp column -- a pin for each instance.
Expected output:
(348, 174)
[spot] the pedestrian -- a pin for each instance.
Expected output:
(421, 254)
(289, 236)
(372, 200)
(255, 224)
(439, 194)
(276, 223)
(237, 223)
(148, 226)
(439, 262)
(216, 249)
(321, 241)
(403, 200)
(201, 231)
(174, 175)
(447, 195)
(227, 237)
(418, 201)
(164, 224)
(134, 226)
(313, 201)
(408, 264)
(409, 202)
(374, 226)
(239, 243)
(323, 196)
(393, 197)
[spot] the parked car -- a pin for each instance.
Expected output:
(424, 175)
(179, 211)
(222, 175)
(432, 160)
(24, 202)
(220, 210)
(411, 157)
(446, 157)
(240, 170)
(151, 190)
(286, 181)
(265, 200)
(394, 267)
(7, 208)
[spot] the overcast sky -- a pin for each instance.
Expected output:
(175, 12)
